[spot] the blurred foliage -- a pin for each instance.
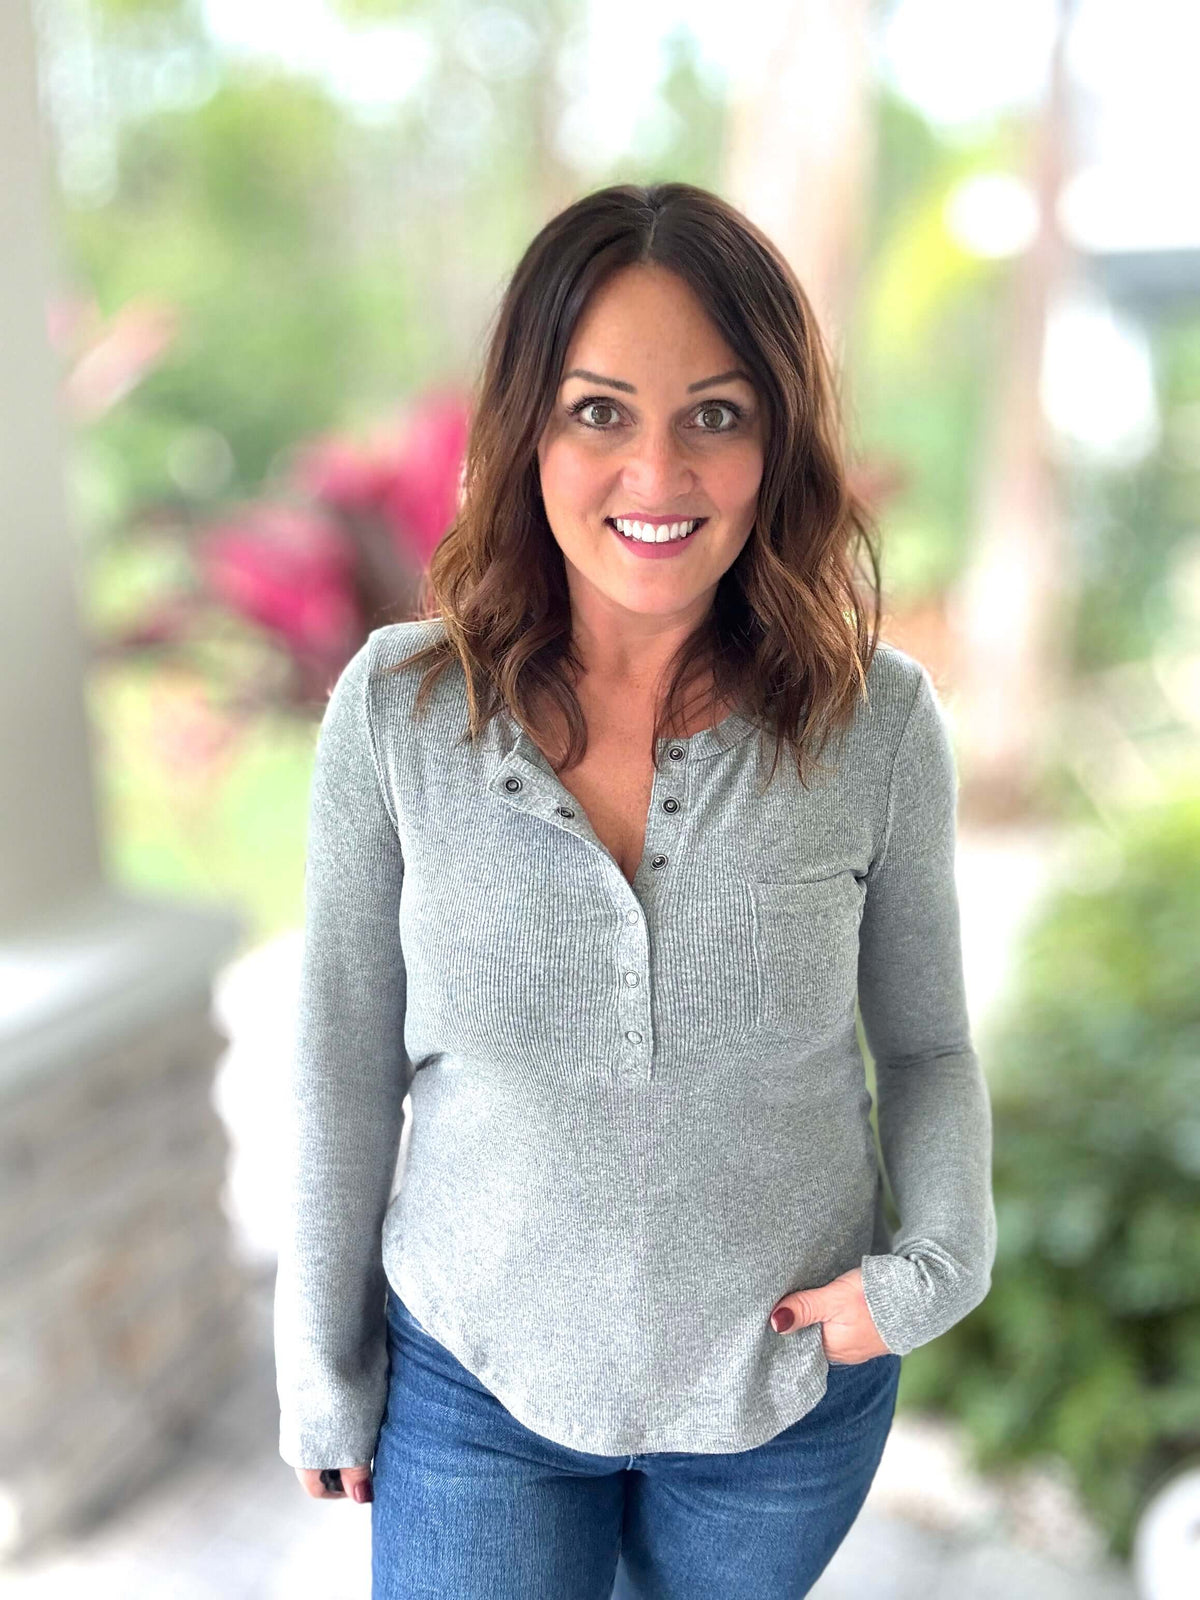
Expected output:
(922, 339)
(197, 805)
(234, 212)
(375, 10)
(1087, 1346)
(177, 14)
(325, 261)
(918, 359)
(1133, 522)
(693, 149)
(327, 258)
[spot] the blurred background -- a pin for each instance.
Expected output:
(251, 250)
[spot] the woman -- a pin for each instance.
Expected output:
(629, 1297)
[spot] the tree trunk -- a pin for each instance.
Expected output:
(801, 147)
(1012, 611)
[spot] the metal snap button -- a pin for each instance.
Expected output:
(564, 811)
(676, 752)
(658, 861)
(632, 916)
(631, 977)
(512, 784)
(670, 805)
(634, 1036)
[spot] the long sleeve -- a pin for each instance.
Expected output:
(344, 1107)
(934, 1113)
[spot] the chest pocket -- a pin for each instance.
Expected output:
(707, 968)
(806, 947)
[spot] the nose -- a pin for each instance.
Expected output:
(656, 471)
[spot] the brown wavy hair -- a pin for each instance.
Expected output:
(785, 641)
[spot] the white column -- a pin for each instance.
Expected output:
(49, 851)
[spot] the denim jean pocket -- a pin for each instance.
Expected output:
(884, 1370)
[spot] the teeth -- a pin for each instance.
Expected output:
(646, 533)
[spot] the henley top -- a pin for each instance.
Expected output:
(636, 1116)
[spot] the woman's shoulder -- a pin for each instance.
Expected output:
(392, 644)
(895, 682)
(893, 670)
(395, 687)
(389, 649)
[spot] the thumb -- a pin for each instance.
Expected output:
(357, 1483)
(798, 1310)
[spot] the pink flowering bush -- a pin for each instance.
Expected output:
(341, 546)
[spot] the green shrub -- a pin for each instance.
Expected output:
(1088, 1344)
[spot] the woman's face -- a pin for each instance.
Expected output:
(651, 422)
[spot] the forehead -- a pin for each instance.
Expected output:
(646, 313)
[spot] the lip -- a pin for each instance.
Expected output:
(656, 552)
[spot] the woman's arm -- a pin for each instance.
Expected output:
(934, 1114)
(344, 1110)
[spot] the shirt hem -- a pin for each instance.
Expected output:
(621, 1442)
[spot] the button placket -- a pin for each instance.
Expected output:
(524, 785)
(635, 1062)
(633, 1000)
(671, 805)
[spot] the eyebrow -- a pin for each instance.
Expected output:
(617, 383)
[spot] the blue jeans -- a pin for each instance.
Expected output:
(472, 1505)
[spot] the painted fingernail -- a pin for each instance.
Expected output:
(363, 1491)
(782, 1319)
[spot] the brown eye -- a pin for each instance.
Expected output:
(581, 406)
(718, 406)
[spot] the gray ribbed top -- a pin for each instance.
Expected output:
(638, 1116)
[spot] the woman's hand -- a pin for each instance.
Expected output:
(847, 1332)
(356, 1484)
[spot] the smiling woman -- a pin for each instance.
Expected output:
(656, 363)
(635, 1293)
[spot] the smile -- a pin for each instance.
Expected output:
(648, 533)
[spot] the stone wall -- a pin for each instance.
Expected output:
(121, 1298)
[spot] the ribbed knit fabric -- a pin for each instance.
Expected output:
(638, 1116)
